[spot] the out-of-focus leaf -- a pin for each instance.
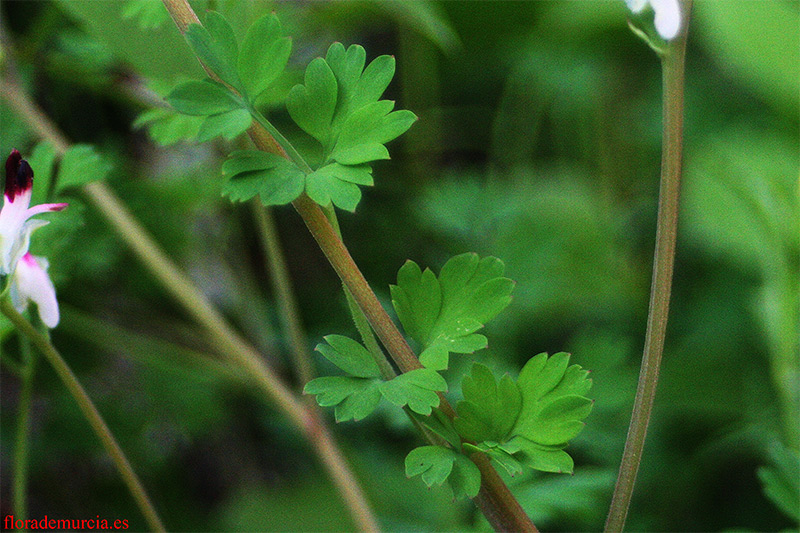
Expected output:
(166, 127)
(228, 125)
(215, 45)
(204, 97)
(81, 164)
(781, 480)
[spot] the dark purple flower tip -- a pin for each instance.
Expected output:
(19, 175)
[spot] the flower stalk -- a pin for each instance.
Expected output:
(673, 61)
(89, 410)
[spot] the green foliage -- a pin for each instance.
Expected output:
(529, 421)
(781, 480)
(443, 314)
(358, 394)
(166, 127)
(275, 179)
(417, 389)
(81, 164)
(215, 45)
(149, 15)
(489, 409)
(338, 184)
(263, 55)
(437, 464)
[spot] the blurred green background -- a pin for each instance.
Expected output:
(538, 142)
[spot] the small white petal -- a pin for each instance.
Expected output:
(668, 17)
(31, 283)
(636, 6)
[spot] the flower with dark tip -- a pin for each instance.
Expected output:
(667, 15)
(30, 283)
(16, 225)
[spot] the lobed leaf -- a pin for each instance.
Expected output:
(312, 105)
(338, 184)
(366, 130)
(275, 179)
(489, 410)
(264, 55)
(417, 389)
(229, 125)
(354, 398)
(350, 356)
(436, 464)
(166, 127)
(204, 97)
(215, 44)
(443, 314)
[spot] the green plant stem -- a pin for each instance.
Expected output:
(195, 303)
(19, 499)
(663, 263)
(89, 410)
(495, 499)
(282, 285)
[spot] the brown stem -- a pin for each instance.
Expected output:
(663, 263)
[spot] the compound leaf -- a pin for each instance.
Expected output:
(537, 457)
(354, 398)
(436, 464)
(349, 356)
(443, 314)
(416, 388)
(264, 54)
(489, 409)
(204, 97)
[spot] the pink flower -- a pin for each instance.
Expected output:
(667, 15)
(30, 283)
(15, 224)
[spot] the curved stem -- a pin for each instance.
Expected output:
(89, 411)
(195, 303)
(663, 263)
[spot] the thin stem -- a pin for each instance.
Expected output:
(89, 411)
(19, 497)
(282, 285)
(495, 500)
(226, 339)
(666, 233)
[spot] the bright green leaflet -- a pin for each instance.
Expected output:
(436, 464)
(443, 314)
(489, 409)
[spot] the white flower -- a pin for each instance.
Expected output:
(15, 226)
(30, 283)
(667, 15)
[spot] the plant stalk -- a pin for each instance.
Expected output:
(495, 499)
(195, 303)
(89, 410)
(19, 496)
(673, 66)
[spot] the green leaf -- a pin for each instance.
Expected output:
(366, 130)
(204, 97)
(781, 480)
(437, 464)
(443, 314)
(440, 424)
(312, 105)
(149, 15)
(80, 165)
(338, 184)
(416, 388)
(350, 356)
(229, 125)
(498, 455)
(553, 405)
(215, 45)
(489, 410)
(354, 398)
(264, 55)
(357, 86)
(537, 457)
(166, 127)
(277, 180)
